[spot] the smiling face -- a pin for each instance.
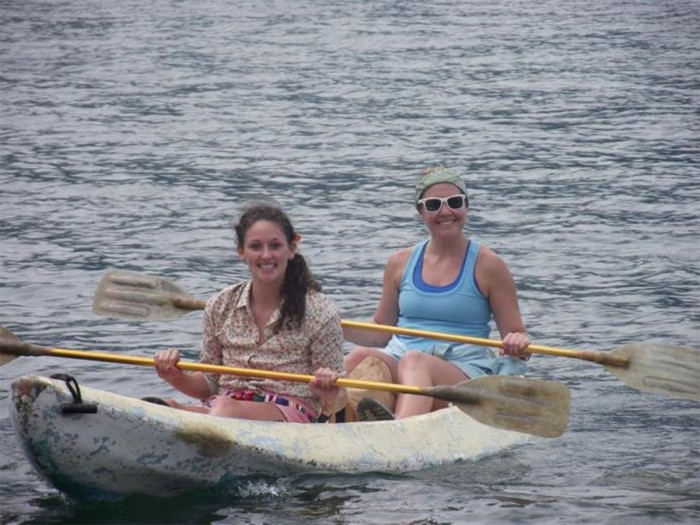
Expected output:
(446, 220)
(267, 252)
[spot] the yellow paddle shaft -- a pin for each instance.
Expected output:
(187, 303)
(17, 348)
(586, 355)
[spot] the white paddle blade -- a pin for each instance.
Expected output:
(532, 406)
(660, 369)
(6, 337)
(138, 297)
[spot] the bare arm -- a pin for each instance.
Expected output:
(332, 397)
(326, 351)
(193, 384)
(496, 282)
(388, 308)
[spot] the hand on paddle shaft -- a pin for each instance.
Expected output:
(524, 405)
(650, 367)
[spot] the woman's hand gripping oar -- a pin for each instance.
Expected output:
(651, 367)
(524, 405)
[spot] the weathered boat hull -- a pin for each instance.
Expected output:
(133, 447)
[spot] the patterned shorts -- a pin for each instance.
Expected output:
(292, 409)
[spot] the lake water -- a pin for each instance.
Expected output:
(133, 132)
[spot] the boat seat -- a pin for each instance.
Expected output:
(369, 369)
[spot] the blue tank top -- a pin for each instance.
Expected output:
(458, 308)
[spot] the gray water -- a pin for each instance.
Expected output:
(132, 133)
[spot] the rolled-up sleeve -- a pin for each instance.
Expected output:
(211, 352)
(326, 345)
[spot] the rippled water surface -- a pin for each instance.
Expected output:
(133, 132)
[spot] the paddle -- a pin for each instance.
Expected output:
(650, 367)
(531, 406)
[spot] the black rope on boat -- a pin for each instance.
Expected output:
(77, 406)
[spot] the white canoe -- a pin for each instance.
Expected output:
(133, 447)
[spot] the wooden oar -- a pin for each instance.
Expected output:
(140, 297)
(531, 406)
(650, 367)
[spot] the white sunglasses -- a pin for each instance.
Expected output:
(454, 202)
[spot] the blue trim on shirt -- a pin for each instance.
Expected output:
(425, 287)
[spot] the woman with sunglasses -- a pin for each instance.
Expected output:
(278, 320)
(448, 283)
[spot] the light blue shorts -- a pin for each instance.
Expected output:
(474, 361)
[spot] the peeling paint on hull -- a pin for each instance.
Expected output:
(133, 447)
